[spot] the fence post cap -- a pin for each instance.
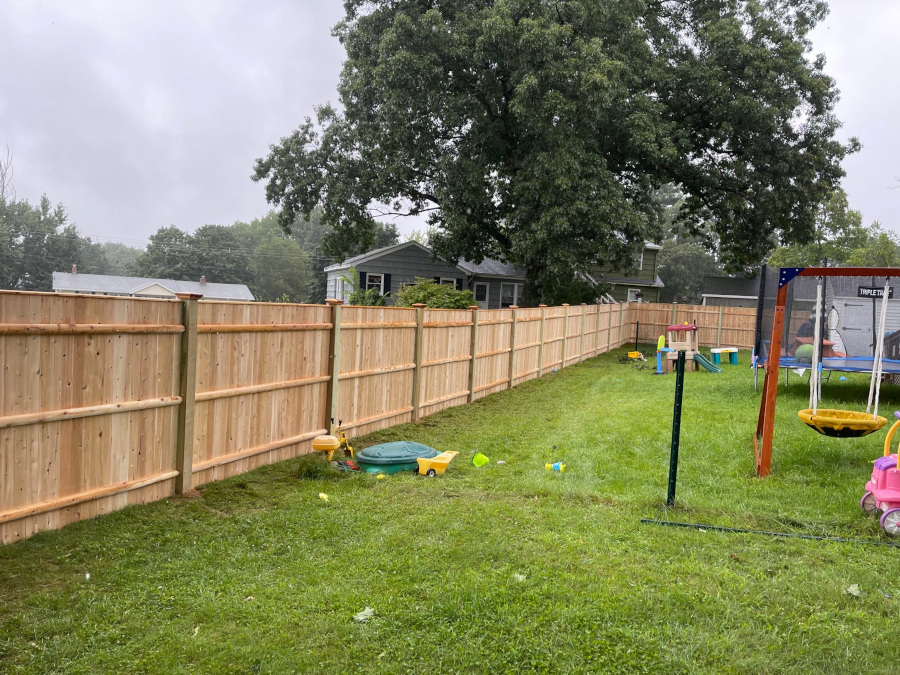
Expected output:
(419, 304)
(542, 305)
(333, 301)
(514, 307)
(474, 306)
(565, 304)
(189, 296)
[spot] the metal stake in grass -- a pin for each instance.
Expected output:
(676, 429)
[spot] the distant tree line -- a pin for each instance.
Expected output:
(37, 240)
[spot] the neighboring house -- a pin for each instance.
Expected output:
(641, 284)
(729, 292)
(494, 283)
(139, 287)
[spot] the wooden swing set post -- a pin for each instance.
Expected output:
(765, 425)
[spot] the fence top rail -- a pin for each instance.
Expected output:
(92, 296)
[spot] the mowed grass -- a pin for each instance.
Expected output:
(503, 568)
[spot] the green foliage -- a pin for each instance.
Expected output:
(359, 295)
(683, 262)
(36, 241)
(839, 235)
(539, 132)
(280, 268)
(435, 295)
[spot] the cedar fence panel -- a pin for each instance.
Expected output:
(376, 367)
(88, 407)
(260, 385)
(446, 359)
(492, 354)
(528, 345)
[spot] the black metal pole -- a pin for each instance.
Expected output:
(676, 429)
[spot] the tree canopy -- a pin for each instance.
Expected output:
(840, 238)
(538, 132)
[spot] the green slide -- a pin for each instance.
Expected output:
(706, 363)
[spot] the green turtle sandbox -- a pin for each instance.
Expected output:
(393, 457)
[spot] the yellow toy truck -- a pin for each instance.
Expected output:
(435, 465)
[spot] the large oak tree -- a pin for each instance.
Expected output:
(537, 131)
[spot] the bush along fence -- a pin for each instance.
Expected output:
(109, 401)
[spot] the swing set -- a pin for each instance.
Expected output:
(829, 422)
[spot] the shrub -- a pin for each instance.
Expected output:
(360, 295)
(436, 296)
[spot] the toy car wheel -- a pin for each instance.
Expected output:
(416, 470)
(869, 505)
(432, 472)
(890, 521)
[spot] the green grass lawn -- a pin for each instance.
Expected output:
(504, 568)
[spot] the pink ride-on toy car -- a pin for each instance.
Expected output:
(882, 496)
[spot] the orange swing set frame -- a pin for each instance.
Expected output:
(765, 425)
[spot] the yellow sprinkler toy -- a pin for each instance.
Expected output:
(559, 467)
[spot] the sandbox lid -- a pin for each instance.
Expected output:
(398, 452)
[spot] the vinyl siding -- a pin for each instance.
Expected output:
(404, 266)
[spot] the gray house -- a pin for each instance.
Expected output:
(387, 270)
(494, 283)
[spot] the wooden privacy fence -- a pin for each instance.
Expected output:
(718, 326)
(109, 401)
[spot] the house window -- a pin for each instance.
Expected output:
(510, 294)
(448, 282)
(481, 294)
(375, 282)
(635, 295)
(640, 262)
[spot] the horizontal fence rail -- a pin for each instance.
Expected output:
(110, 401)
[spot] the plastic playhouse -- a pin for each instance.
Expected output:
(684, 338)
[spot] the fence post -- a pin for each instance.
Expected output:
(334, 354)
(597, 331)
(621, 323)
(608, 328)
(719, 332)
(674, 309)
(541, 347)
(187, 386)
(581, 349)
(512, 345)
(562, 364)
(474, 362)
(417, 359)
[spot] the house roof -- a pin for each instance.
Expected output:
(375, 253)
(628, 281)
(491, 268)
(486, 268)
(735, 287)
(104, 283)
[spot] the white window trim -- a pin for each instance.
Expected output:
(487, 292)
(518, 291)
(636, 291)
(641, 261)
(380, 283)
(445, 280)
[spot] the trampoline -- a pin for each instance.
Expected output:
(843, 364)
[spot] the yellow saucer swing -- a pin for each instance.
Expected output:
(845, 423)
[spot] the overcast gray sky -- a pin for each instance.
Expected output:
(138, 115)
